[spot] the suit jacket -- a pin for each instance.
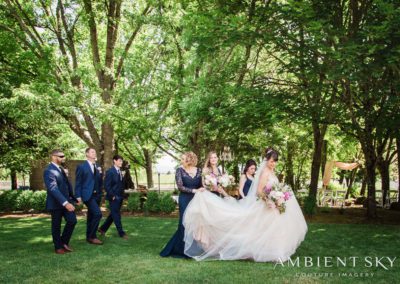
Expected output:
(59, 188)
(113, 184)
(86, 181)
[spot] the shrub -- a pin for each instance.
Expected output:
(10, 200)
(3, 203)
(354, 192)
(39, 200)
(310, 205)
(325, 209)
(167, 204)
(24, 200)
(152, 203)
(134, 202)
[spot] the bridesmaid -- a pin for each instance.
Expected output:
(211, 167)
(246, 179)
(188, 181)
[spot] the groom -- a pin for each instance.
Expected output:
(59, 202)
(88, 189)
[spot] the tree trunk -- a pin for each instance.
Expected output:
(363, 183)
(319, 133)
(107, 135)
(14, 182)
(136, 178)
(383, 167)
(370, 165)
(324, 156)
(289, 167)
(351, 181)
(341, 177)
(236, 172)
(149, 168)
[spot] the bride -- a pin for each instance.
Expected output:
(227, 229)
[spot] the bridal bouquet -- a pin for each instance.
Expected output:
(276, 196)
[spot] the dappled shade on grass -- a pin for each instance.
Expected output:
(27, 255)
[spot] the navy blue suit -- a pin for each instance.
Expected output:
(59, 191)
(114, 186)
(88, 187)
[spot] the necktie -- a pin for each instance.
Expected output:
(63, 172)
(94, 169)
(120, 175)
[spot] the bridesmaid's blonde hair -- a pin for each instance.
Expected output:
(191, 158)
(207, 165)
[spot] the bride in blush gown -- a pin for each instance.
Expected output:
(227, 229)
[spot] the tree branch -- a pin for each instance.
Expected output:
(129, 43)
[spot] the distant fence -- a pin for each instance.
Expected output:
(162, 182)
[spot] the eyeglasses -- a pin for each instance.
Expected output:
(61, 156)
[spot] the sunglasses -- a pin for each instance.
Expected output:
(61, 156)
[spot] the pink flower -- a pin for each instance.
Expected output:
(280, 201)
(267, 189)
(271, 204)
(287, 195)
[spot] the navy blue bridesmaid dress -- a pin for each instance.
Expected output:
(186, 184)
(247, 186)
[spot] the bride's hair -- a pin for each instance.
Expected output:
(207, 164)
(271, 153)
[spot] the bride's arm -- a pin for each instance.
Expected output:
(262, 182)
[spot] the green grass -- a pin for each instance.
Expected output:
(26, 255)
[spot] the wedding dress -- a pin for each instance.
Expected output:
(227, 229)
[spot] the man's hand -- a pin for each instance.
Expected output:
(70, 207)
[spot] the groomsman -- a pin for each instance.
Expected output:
(114, 186)
(59, 202)
(88, 189)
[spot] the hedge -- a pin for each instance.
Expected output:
(22, 200)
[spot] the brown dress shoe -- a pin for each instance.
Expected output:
(125, 237)
(67, 248)
(94, 241)
(60, 251)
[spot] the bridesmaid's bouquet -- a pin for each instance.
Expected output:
(225, 180)
(276, 196)
(210, 180)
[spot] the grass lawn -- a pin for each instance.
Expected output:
(26, 255)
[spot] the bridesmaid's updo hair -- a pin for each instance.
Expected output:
(271, 153)
(191, 158)
(249, 163)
